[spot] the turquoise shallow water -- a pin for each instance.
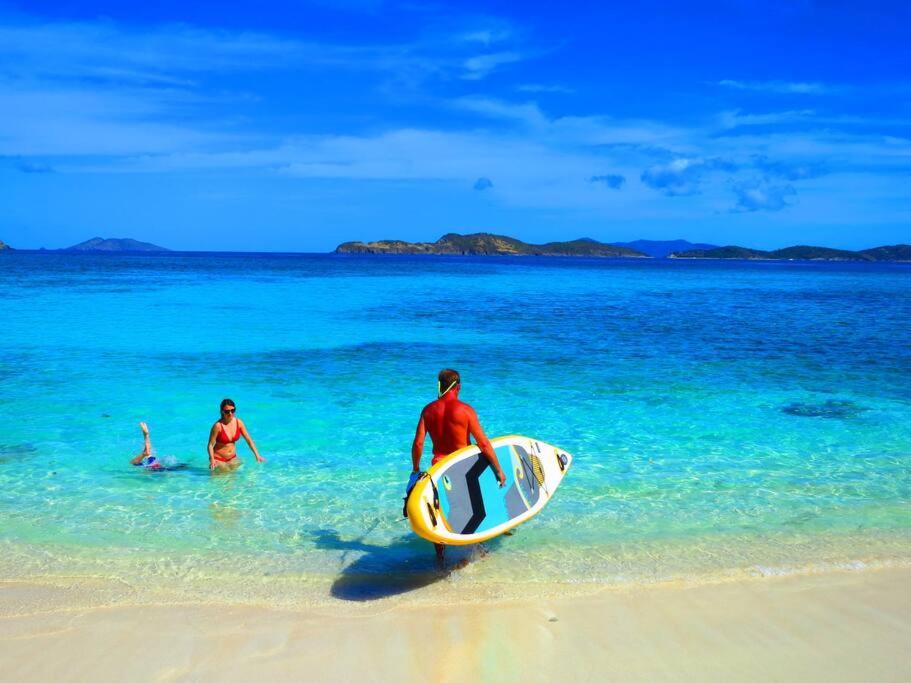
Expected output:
(751, 417)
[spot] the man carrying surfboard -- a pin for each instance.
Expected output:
(451, 424)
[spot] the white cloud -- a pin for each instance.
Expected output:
(781, 87)
(762, 196)
(736, 119)
(83, 121)
(577, 130)
(487, 36)
(527, 113)
(683, 176)
(173, 53)
(544, 88)
(134, 98)
(480, 66)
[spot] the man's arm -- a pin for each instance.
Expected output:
(417, 446)
(474, 428)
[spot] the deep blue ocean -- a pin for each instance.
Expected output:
(726, 418)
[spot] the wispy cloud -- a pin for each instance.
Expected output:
(173, 53)
(526, 113)
(103, 88)
(487, 36)
(72, 120)
(788, 170)
(543, 88)
(593, 131)
(106, 49)
(480, 66)
(781, 87)
(104, 97)
(738, 119)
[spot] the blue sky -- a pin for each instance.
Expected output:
(293, 126)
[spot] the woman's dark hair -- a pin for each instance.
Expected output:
(226, 402)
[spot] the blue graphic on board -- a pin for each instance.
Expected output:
(472, 500)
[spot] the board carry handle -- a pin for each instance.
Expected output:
(561, 461)
(436, 498)
(421, 475)
(436, 494)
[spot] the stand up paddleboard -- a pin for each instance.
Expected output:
(459, 501)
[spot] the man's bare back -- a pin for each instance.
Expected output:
(451, 423)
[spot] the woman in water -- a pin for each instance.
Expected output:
(222, 437)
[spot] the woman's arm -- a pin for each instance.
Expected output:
(244, 433)
(213, 434)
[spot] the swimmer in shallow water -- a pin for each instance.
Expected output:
(152, 462)
(146, 459)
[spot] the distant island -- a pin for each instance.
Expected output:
(486, 244)
(663, 248)
(897, 252)
(112, 245)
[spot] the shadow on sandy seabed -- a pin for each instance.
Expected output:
(382, 571)
(16, 451)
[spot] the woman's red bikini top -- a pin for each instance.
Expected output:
(223, 435)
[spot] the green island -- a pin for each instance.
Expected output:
(486, 244)
(4, 246)
(897, 252)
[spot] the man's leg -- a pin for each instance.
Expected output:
(146, 446)
(441, 549)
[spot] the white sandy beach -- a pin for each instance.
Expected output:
(845, 626)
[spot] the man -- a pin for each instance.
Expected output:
(146, 459)
(451, 423)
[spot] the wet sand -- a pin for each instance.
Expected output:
(851, 626)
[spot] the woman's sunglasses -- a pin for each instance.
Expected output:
(228, 410)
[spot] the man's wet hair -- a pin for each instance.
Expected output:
(448, 377)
